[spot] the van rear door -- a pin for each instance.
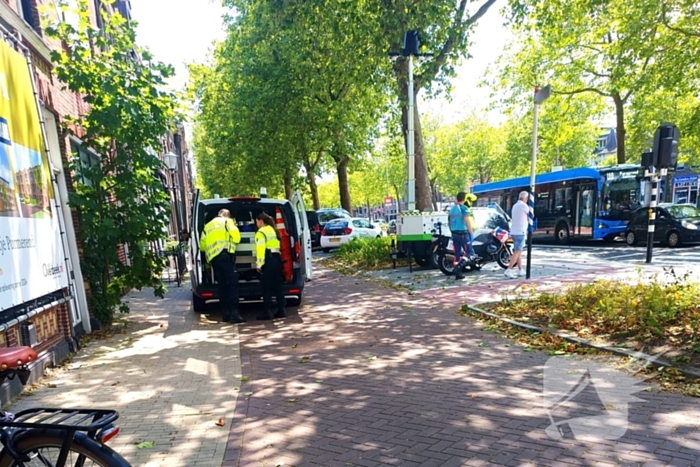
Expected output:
(195, 257)
(304, 234)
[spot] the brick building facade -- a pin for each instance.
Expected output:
(58, 319)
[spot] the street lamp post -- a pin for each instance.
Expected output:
(171, 162)
(540, 96)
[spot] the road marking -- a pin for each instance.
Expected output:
(624, 256)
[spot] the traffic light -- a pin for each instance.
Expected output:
(647, 159)
(665, 149)
(411, 43)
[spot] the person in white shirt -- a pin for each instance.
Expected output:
(518, 229)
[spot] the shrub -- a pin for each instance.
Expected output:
(664, 307)
(366, 253)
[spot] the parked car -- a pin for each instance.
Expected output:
(314, 228)
(328, 214)
(381, 225)
(244, 211)
(340, 231)
(675, 224)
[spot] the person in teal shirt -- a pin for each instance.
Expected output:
(461, 228)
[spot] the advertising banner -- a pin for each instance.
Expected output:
(31, 252)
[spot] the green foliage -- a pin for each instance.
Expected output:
(120, 200)
(366, 253)
(282, 93)
(638, 58)
(664, 307)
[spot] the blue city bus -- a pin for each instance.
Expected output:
(574, 204)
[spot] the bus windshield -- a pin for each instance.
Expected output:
(619, 199)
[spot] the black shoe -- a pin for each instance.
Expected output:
(281, 314)
(459, 276)
(233, 317)
(264, 316)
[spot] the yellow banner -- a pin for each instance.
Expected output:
(31, 252)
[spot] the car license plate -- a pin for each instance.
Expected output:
(334, 240)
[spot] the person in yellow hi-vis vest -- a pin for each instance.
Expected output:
(218, 242)
(269, 265)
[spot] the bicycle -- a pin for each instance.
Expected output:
(53, 437)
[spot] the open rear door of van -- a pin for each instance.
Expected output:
(195, 257)
(304, 233)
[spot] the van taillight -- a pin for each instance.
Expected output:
(347, 231)
(317, 228)
(297, 252)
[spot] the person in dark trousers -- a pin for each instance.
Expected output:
(218, 243)
(461, 228)
(269, 265)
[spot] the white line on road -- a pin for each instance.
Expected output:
(639, 253)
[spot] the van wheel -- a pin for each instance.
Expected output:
(562, 234)
(294, 301)
(326, 250)
(198, 304)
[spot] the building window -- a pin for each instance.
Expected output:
(87, 159)
(26, 10)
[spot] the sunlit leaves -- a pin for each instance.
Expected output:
(119, 198)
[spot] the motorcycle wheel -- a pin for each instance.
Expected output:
(434, 260)
(503, 256)
(446, 265)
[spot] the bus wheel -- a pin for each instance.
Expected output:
(562, 233)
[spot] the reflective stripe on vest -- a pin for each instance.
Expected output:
(265, 239)
(216, 238)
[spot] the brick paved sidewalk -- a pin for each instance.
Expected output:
(367, 376)
(171, 377)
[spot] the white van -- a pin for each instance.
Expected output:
(244, 210)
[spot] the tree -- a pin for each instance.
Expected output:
(289, 96)
(120, 200)
(608, 48)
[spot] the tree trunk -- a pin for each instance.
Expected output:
(311, 177)
(343, 185)
(398, 199)
(423, 198)
(620, 117)
(310, 167)
(288, 185)
(423, 192)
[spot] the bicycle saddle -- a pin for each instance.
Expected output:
(15, 357)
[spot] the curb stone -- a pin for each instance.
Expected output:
(649, 359)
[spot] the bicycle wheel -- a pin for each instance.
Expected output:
(44, 446)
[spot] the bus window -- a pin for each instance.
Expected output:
(542, 204)
(560, 201)
(619, 199)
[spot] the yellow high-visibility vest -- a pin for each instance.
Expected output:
(265, 239)
(219, 234)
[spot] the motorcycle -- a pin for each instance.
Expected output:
(489, 245)
(439, 243)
